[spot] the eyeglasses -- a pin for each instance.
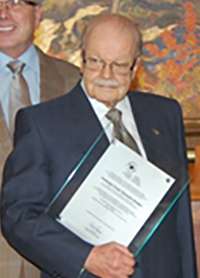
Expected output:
(97, 64)
(13, 4)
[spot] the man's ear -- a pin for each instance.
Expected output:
(81, 67)
(135, 67)
(38, 15)
(82, 61)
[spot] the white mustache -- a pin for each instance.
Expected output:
(106, 82)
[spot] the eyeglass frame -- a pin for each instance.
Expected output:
(16, 3)
(101, 64)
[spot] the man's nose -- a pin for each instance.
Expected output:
(106, 71)
(3, 10)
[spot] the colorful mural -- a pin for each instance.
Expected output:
(171, 33)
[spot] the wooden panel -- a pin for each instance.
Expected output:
(196, 221)
(194, 172)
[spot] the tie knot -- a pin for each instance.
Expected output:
(114, 115)
(16, 66)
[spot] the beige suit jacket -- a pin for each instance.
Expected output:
(56, 78)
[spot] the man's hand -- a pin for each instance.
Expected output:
(110, 260)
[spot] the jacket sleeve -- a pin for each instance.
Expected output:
(184, 217)
(25, 195)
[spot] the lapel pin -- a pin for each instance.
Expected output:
(156, 131)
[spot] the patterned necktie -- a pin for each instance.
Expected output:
(120, 131)
(19, 93)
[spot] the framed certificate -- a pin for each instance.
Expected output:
(119, 197)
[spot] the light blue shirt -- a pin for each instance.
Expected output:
(31, 73)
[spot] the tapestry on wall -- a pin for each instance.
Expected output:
(171, 33)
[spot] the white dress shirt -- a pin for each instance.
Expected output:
(124, 106)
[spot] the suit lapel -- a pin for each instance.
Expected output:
(88, 143)
(149, 130)
(86, 119)
(153, 135)
(51, 84)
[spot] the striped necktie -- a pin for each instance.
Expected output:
(120, 131)
(19, 93)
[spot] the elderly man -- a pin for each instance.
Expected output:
(43, 76)
(42, 160)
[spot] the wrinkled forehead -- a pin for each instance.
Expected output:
(110, 31)
(111, 42)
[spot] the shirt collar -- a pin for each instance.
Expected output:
(97, 105)
(102, 109)
(29, 57)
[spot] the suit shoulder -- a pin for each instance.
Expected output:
(56, 104)
(60, 65)
(151, 101)
(47, 106)
(63, 65)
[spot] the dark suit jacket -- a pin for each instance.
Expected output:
(50, 140)
(56, 78)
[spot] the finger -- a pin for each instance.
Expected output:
(123, 269)
(120, 259)
(122, 263)
(127, 270)
(125, 260)
(123, 249)
(119, 273)
(110, 259)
